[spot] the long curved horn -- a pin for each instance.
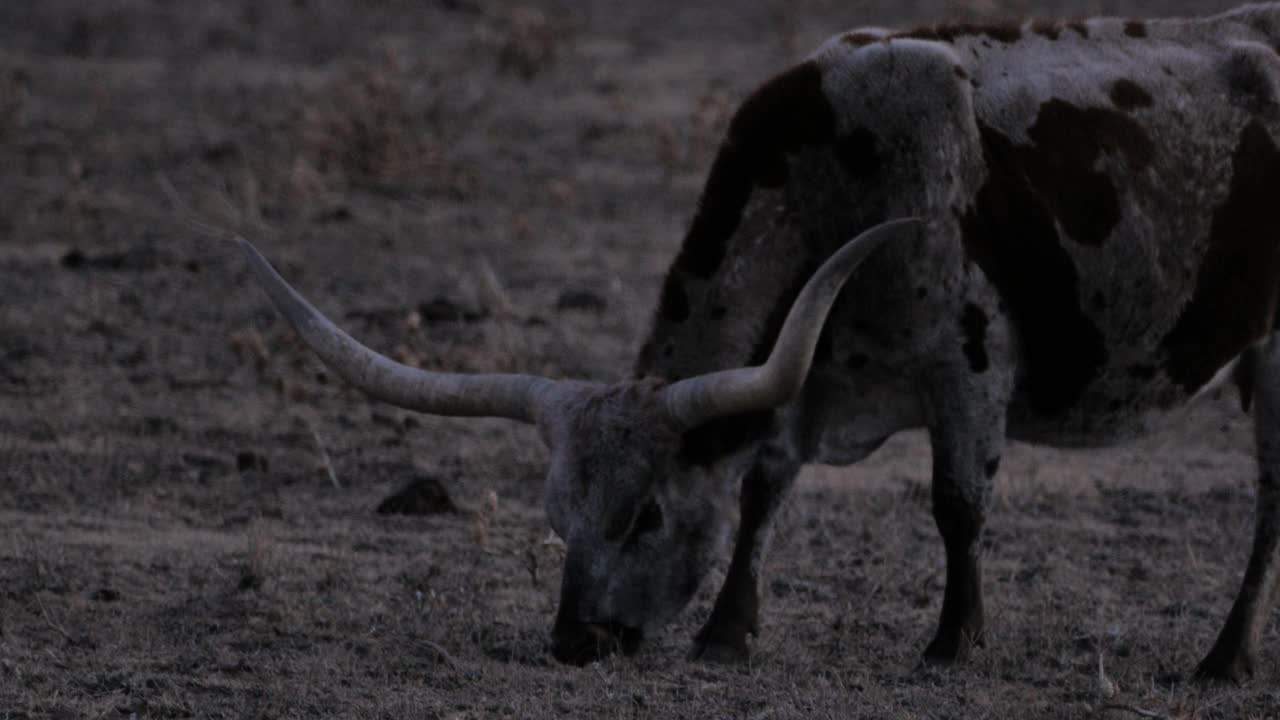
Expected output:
(510, 396)
(696, 400)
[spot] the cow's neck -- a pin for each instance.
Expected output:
(725, 298)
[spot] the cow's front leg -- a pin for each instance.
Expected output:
(967, 434)
(736, 613)
(1236, 651)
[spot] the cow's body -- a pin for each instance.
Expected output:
(1104, 208)
(1101, 203)
(1109, 194)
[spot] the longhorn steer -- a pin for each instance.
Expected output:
(1101, 207)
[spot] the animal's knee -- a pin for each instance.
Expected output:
(959, 515)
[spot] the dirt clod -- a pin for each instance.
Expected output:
(444, 310)
(424, 495)
(581, 300)
(247, 460)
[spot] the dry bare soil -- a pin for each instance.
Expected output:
(188, 522)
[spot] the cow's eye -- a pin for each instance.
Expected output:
(650, 518)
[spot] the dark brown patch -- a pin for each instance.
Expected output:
(1249, 84)
(786, 114)
(859, 39)
(1061, 165)
(947, 32)
(1135, 28)
(1047, 28)
(992, 467)
(720, 208)
(1098, 302)
(1244, 376)
(674, 305)
(1080, 27)
(1011, 234)
(961, 72)
(1234, 303)
(973, 322)
(858, 154)
(1129, 95)
(1143, 372)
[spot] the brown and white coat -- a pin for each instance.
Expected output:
(1103, 200)
(1098, 240)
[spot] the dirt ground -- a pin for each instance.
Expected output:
(188, 522)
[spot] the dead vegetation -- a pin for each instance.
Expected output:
(188, 503)
(532, 40)
(364, 126)
(14, 90)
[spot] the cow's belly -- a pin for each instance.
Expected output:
(839, 421)
(1113, 409)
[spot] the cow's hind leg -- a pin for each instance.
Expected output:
(967, 433)
(1236, 650)
(736, 613)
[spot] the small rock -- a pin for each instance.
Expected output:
(337, 214)
(581, 300)
(203, 462)
(424, 495)
(137, 259)
(247, 460)
(74, 259)
(220, 151)
(249, 580)
(441, 310)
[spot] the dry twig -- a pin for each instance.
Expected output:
(48, 619)
(324, 455)
(1140, 712)
(440, 652)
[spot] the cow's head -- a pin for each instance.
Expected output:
(641, 525)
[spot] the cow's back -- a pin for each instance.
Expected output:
(1127, 201)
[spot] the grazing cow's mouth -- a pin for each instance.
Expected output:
(580, 643)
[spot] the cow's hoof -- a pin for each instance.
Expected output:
(950, 647)
(1225, 666)
(721, 645)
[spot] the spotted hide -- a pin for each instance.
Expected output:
(1062, 231)
(1103, 233)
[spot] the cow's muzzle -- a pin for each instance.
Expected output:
(578, 643)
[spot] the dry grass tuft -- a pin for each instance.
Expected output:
(365, 128)
(249, 346)
(531, 42)
(15, 91)
(260, 564)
